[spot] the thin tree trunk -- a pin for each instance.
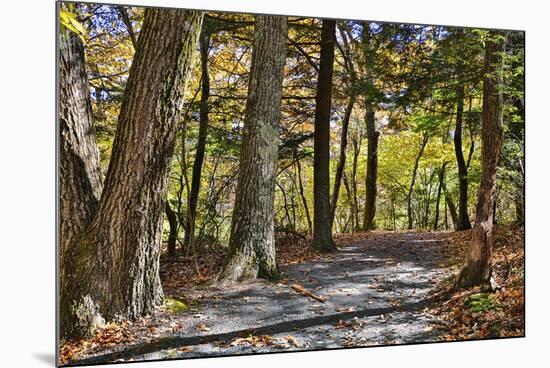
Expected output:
(439, 189)
(80, 182)
(463, 220)
(322, 230)
(201, 142)
(451, 205)
(372, 169)
(477, 269)
(304, 200)
(350, 202)
(118, 255)
(356, 150)
(342, 158)
(252, 239)
(173, 230)
(128, 23)
(413, 180)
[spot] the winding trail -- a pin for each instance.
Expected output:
(375, 292)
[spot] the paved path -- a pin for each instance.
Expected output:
(375, 293)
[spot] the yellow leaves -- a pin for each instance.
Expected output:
(68, 20)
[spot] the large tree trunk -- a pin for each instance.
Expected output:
(322, 230)
(116, 271)
(342, 157)
(372, 169)
(252, 239)
(463, 219)
(413, 180)
(79, 168)
(477, 269)
(201, 142)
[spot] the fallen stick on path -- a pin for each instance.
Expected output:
(300, 289)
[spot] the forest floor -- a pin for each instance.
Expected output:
(379, 288)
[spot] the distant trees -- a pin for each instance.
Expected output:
(252, 239)
(477, 269)
(322, 229)
(114, 262)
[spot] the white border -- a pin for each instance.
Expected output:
(27, 180)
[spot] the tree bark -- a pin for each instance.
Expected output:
(463, 220)
(342, 157)
(477, 269)
(252, 239)
(372, 169)
(322, 230)
(413, 180)
(80, 182)
(117, 257)
(201, 142)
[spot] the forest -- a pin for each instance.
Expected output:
(236, 183)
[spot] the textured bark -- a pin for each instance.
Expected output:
(372, 169)
(173, 229)
(342, 157)
(201, 142)
(116, 269)
(252, 239)
(322, 229)
(463, 219)
(413, 180)
(477, 269)
(79, 168)
(439, 190)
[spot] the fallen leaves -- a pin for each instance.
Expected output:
(266, 341)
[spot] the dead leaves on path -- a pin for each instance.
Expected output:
(266, 341)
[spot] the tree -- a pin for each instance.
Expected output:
(252, 239)
(477, 269)
(80, 178)
(116, 259)
(322, 230)
(372, 134)
(201, 143)
(463, 219)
